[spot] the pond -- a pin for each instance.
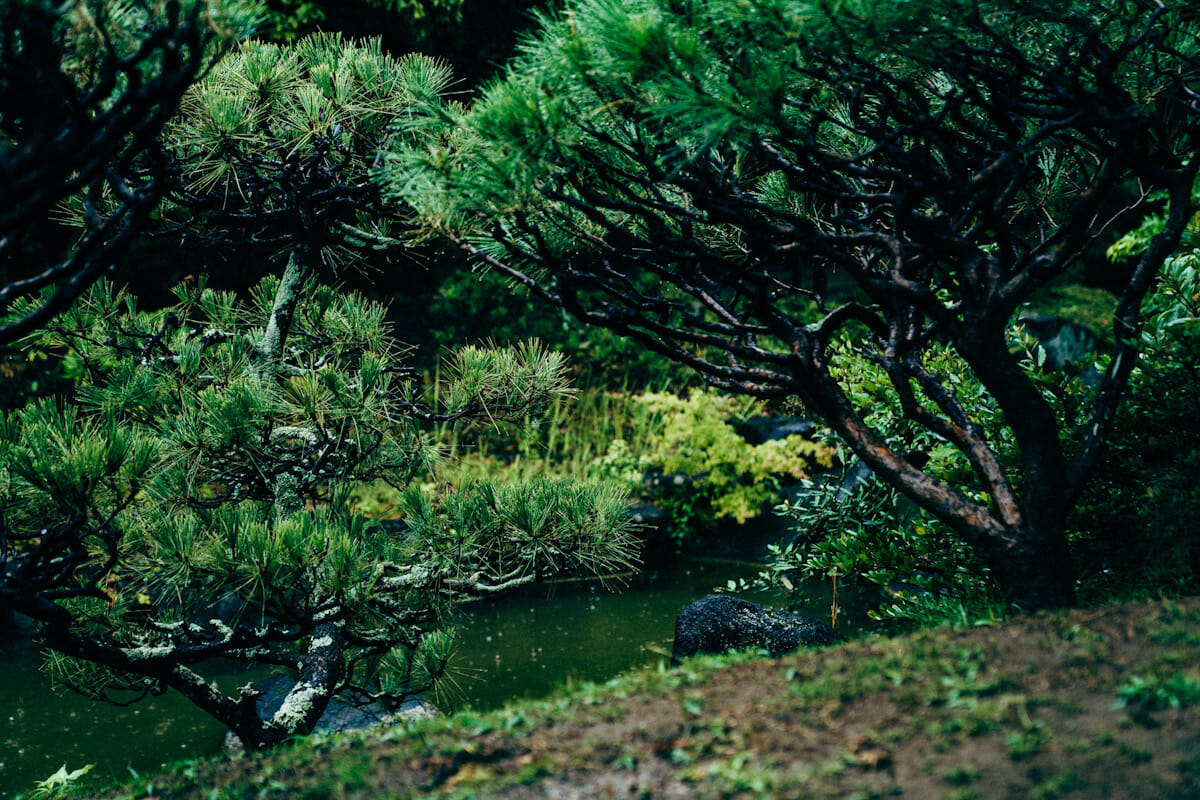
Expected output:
(526, 645)
(516, 646)
(40, 730)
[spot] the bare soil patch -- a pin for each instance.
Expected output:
(1090, 703)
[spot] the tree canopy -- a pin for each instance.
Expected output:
(769, 191)
(271, 152)
(210, 460)
(191, 499)
(86, 87)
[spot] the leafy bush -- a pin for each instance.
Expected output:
(726, 475)
(876, 540)
(1135, 528)
(871, 536)
(682, 454)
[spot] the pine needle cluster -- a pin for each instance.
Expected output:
(203, 466)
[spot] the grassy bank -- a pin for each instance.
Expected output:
(1090, 703)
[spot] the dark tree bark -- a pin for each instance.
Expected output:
(943, 221)
(62, 137)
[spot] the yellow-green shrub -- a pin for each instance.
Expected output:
(729, 477)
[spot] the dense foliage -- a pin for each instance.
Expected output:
(696, 442)
(764, 191)
(86, 87)
(1135, 524)
(475, 36)
(288, 20)
(268, 158)
(469, 304)
(866, 533)
(687, 455)
(193, 504)
(1131, 531)
(845, 206)
(190, 500)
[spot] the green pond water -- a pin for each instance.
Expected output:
(516, 646)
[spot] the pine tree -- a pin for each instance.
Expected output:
(271, 154)
(212, 446)
(85, 88)
(211, 456)
(769, 191)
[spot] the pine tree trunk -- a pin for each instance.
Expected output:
(315, 687)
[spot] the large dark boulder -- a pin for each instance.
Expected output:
(760, 430)
(719, 622)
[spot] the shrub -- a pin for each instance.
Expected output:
(726, 475)
(871, 536)
(1135, 529)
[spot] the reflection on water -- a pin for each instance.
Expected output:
(514, 646)
(41, 730)
(526, 645)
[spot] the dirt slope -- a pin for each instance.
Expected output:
(1089, 704)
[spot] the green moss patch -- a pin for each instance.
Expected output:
(1089, 703)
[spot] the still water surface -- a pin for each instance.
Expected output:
(526, 645)
(41, 730)
(515, 646)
